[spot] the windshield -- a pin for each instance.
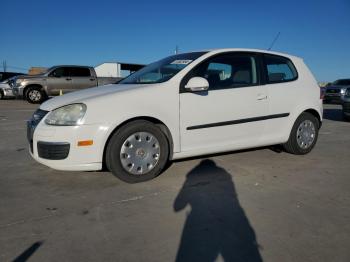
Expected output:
(162, 70)
(342, 82)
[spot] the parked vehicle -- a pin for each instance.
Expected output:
(182, 106)
(335, 92)
(57, 80)
(6, 75)
(346, 105)
(6, 90)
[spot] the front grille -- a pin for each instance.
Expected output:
(12, 83)
(53, 151)
(332, 91)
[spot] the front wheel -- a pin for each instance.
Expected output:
(346, 117)
(304, 135)
(35, 95)
(137, 152)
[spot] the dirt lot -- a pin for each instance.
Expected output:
(246, 206)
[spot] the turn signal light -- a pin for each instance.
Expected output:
(85, 143)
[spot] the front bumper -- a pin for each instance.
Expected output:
(346, 108)
(18, 91)
(335, 98)
(48, 146)
(7, 92)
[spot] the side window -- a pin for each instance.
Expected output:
(80, 72)
(279, 69)
(228, 71)
(60, 72)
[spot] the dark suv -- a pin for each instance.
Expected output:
(346, 105)
(335, 91)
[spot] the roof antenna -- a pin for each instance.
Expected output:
(274, 40)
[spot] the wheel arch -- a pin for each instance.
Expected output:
(315, 113)
(163, 127)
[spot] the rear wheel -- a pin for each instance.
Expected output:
(304, 135)
(35, 95)
(1, 94)
(137, 152)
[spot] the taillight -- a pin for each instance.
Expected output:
(322, 92)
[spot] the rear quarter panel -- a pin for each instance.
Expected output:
(294, 98)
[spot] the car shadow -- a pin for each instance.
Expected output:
(217, 224)
(334, 114)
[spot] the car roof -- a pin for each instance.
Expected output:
(222, 50)
(342, 79)
(70, 66)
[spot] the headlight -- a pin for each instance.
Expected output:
(70, 115)
(342, 91)
(19, 82)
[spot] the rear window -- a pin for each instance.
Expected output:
(279, 69)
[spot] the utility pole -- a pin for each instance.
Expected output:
(4, 65)
(176, 49)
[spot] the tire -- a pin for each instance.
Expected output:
(1, 95)
(293, 144)
(35, 95)
(346, 117)
(125, 146)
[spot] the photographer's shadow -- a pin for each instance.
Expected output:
(216, 224)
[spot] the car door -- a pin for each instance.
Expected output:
(230, 114)
(59, 81)
(82, 78)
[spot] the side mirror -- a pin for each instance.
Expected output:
(197, 84)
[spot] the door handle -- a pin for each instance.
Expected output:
(68, 79)
(92, 79)
(262, 97)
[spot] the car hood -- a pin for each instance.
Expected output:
(89, 93)
(29, 76)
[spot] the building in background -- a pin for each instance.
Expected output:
(116, 69)
(36, 70)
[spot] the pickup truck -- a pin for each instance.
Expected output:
(57, 80)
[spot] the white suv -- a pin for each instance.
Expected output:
(184, 105)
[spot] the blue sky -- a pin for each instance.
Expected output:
(41, 33)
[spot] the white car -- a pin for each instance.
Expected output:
(182, 106)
